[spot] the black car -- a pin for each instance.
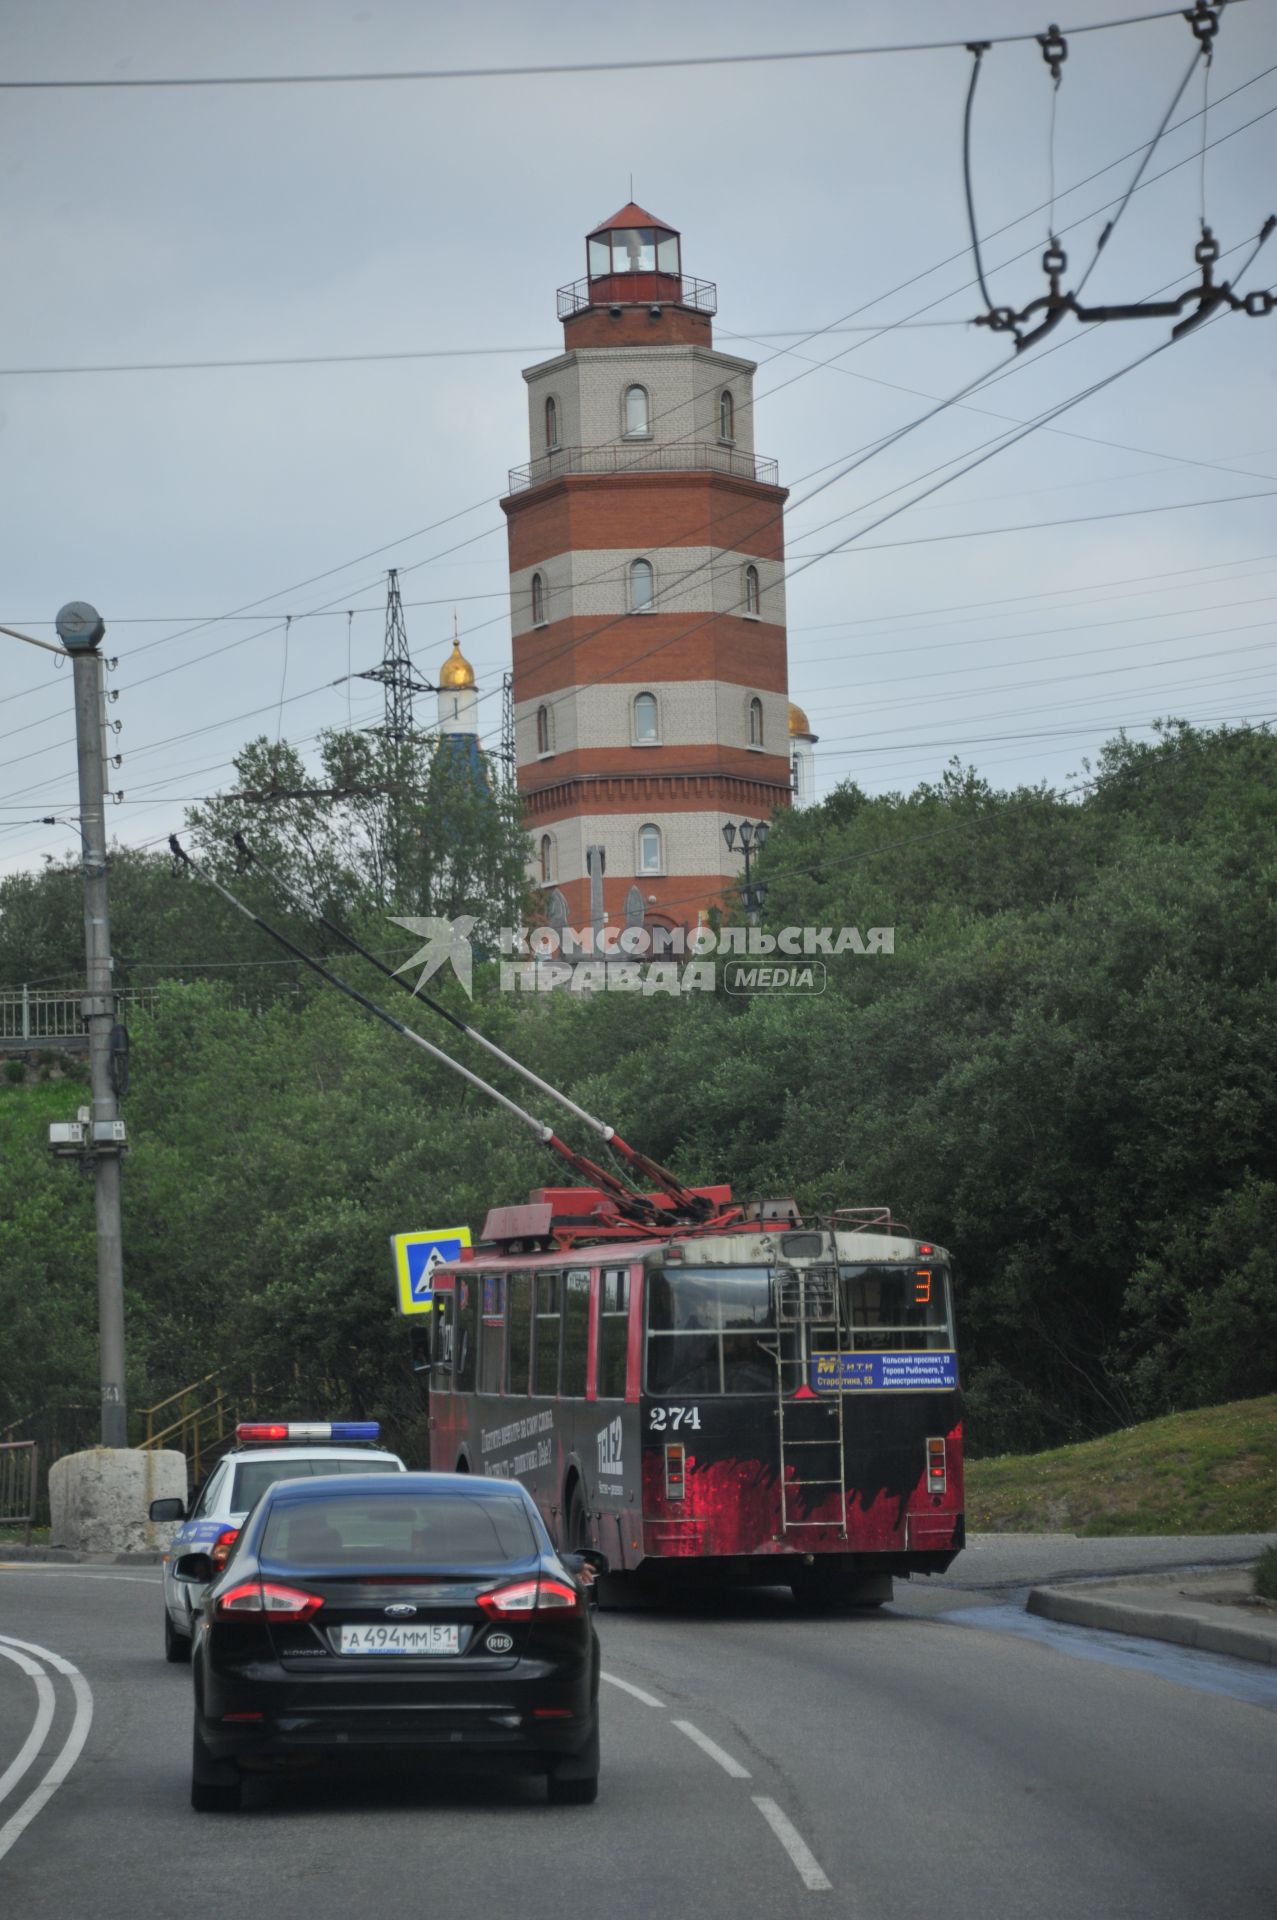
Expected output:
(420, 1614)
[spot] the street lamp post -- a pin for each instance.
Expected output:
(81, 630)
(753, 838)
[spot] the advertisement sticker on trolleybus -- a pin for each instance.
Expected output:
(883, 1372)
(609, 1440)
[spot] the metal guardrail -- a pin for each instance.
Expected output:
(700, 295)
(19, 1484)
(35, 1017)
(678, 456)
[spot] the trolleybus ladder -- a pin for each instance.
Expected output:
(807, 1299)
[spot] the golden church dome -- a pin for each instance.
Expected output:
(457, 671)
(798, 721)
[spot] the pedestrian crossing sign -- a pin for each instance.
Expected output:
(415, 1256)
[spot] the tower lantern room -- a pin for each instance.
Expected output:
(631, 258)
(634, 275)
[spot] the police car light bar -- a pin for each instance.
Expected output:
(266, 1433)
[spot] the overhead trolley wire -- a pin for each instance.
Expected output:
(451, 353)
(886, 441)
(555, 68)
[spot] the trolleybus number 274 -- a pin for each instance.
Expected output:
(670, 1419)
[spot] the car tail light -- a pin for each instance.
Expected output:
(267, 1597)
(937, 1475)
(222, 1548)
(529, 1596)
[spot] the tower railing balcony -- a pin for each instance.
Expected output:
(675, 456)
(638, 289)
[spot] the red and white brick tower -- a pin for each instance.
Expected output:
(647, 594)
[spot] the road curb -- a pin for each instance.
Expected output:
(71, 1557)
(1181, 1629)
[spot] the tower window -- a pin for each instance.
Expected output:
(646, 728)
(649, 850)
(551, 422)
(755, 722)
(637, 412)
(642, 583)
(538, 601)
(545, 854)
(543, 730)
(751, 593)
(726, 417)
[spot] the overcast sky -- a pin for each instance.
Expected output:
(439, 218)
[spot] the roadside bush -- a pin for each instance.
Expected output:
(14, 1072)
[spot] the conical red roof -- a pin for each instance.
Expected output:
(630, 215)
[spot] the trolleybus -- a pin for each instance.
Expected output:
(773, 1403)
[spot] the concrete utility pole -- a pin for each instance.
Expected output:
(82, 630)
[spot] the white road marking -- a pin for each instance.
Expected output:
(809, 1868)
(648, 1699)
(712, 1748)
(72, 1746)
(39, 1726)
(78, 1573)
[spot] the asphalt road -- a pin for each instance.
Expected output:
(756, 1761)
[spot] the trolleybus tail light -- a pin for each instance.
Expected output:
(222, 1548)
(675, 1470)
(267, 1597)
(925, 1247)
(937, 1473)
(529, 1596)
(264, 1433)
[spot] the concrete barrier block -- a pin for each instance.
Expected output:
(98, 1499)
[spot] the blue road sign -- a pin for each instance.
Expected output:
(415, 1257)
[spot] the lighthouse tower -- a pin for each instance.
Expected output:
(647, 595)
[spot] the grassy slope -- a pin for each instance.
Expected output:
(1210, 1471)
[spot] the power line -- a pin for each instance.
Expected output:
(1048, 593)
(165, 639)
(547, 69)
(1008, 639)
(780, 333)
(392, 355)
(1031, 526)
(888, 440)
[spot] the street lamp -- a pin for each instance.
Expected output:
(753, 838)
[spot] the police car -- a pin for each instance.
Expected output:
(265, 1451)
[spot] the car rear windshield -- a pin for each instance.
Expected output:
(398, 1530)
(253, 1478)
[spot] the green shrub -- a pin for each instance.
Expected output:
(15, 1072)
(1266, 1574)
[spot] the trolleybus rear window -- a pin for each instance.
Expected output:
(896, 1309)
(706, 1329)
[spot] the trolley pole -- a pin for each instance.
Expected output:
(82, 630)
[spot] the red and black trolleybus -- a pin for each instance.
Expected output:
(772, 1402)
